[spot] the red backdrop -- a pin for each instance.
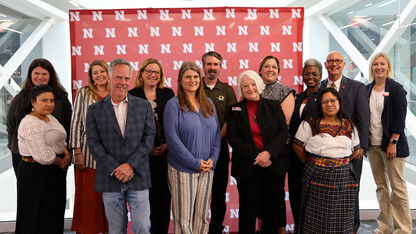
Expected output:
(243, 36)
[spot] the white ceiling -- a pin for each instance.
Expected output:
(64, 5)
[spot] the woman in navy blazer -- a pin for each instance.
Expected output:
(388, 146)
(304, 107)
(257, 132)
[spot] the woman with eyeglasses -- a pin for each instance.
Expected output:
(324, 143)
(269, 71)
(150, 85)
(388, 146)
(304, 107)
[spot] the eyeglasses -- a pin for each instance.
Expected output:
(332, 101)
(337, 61)
(150, 72)
(306, 74)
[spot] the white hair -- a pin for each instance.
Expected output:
(252, 75)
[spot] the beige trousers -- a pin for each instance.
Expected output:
(394, 214)
(191, 193)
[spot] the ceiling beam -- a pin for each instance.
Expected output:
(24, 50)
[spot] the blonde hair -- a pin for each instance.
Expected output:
(139, 79)
(252, 75)
(386, 57)
(92, 87)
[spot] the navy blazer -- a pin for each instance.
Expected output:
(355, 101)
(393, 117)
(274, 133)
(110, 149)
(307, 111)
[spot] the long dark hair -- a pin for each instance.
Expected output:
(318, 114)
(54, 83)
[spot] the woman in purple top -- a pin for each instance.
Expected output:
(193, 136)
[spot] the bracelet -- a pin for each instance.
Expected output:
(78, 154)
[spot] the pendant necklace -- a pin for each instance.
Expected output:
(254, 116)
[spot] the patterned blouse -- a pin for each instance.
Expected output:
(276, 91)
(330, 142)
(41, 140)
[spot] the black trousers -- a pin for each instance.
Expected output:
(159, 196)
(295, 187)
(263, 194)
(219, 189)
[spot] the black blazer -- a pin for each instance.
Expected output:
(393, 117)
(307, 111)
(274, 133)
(162, 97)
(355, 102)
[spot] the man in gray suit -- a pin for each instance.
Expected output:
(355, 99)
(120, 132)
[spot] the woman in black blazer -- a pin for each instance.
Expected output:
(388, 146)
(150, 85)
(304, 107)
(257, 132)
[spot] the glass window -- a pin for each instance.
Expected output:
(15, 28)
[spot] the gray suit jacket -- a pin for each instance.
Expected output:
(355, 100)
(110, 149)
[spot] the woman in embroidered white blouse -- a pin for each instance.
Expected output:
(324, 143)
(41, 180)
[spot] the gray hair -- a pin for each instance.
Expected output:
(252, 75)
(312, 62)
(118, 61)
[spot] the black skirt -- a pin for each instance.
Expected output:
(41, 198)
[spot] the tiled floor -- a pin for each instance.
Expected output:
(367, 226)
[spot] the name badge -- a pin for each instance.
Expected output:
(236, 108)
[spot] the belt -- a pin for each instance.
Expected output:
(328, 162)
(28, 159)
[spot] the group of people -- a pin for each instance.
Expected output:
(146, 150)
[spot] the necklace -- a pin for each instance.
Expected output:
(255, 116)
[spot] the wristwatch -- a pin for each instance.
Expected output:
(393, 141)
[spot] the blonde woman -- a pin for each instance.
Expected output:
(150, 85)
(89, 215)
(388, 146)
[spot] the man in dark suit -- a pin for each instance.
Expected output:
(355, 98)
(120, 133)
